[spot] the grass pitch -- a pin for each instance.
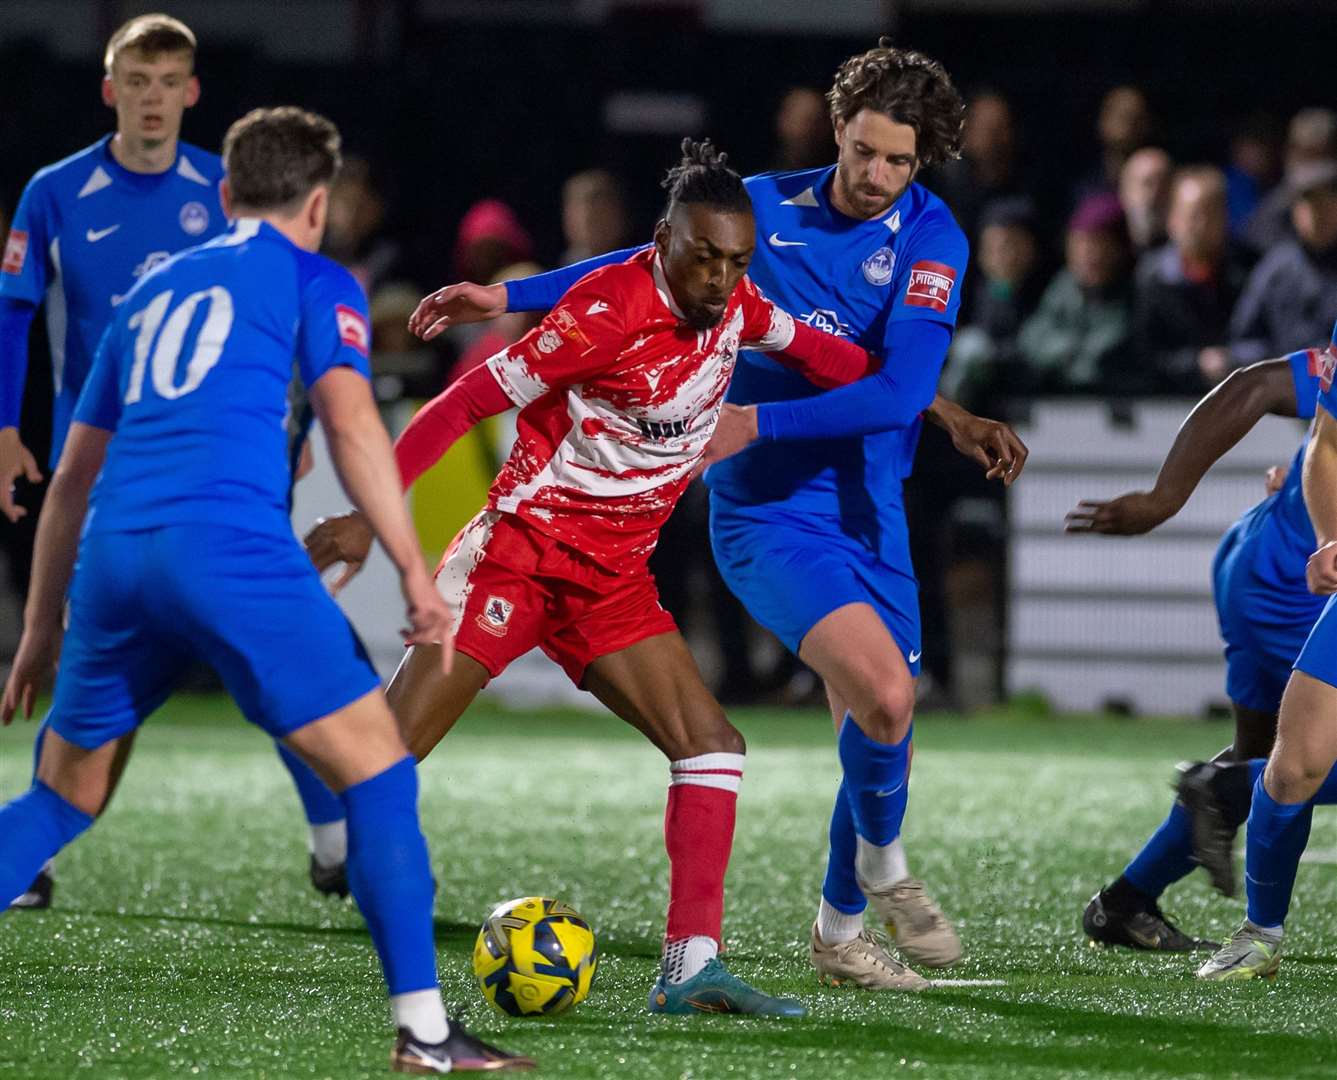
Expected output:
(185, 939)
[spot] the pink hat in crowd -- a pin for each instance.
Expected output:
(492, 219)
(1100, 212)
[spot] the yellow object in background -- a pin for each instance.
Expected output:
(453, 490)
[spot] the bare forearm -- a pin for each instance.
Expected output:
(945, 414)
(54, 550)
(1218, 422)
(366, 466)
(1320, 477)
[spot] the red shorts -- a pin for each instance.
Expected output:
(511, 588)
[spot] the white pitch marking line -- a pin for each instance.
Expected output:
(967, 982)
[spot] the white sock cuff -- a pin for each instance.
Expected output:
(422, 1012)
(723, 771)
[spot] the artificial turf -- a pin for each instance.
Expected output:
(185, 940)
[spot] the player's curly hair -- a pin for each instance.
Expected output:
(908, 87)
(703, 176)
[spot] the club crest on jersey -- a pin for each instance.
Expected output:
(16, 251)
(1323, 363)
(549, 341)
(496, 615)
(878, 267)
(194, 218)
(825, 320)
(353, 330)
(930, 285)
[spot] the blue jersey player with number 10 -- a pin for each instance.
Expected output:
(187, 554)
(86, 229)
(807, 516)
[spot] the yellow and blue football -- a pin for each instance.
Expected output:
(535, 957)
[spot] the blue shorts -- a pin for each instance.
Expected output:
(792, 570)
(143, 605)
(1263, 628)
(1318, 658)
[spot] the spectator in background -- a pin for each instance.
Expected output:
(1311, 139)
(354, 236)
(594, 215)
(503, 331)
(490, 237)
(1144, 193)
(1185, 291)
(1124, 124)
(1078, 339)
(802, 130)
(982, 367)
(1289, 299)
(988, 166)
(1254, 168)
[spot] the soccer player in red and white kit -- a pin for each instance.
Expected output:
(619, 388)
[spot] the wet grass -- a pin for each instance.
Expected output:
(185, 940)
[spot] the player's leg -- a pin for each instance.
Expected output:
(114, 671)
(427, 702)
(792, 574)
(655, 686)
(865, 668)
(276, 616)
(1279, 820)
(327, 839)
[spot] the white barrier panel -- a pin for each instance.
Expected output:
(373, 603)
(1095, 619)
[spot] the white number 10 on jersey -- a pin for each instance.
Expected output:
(208, 343)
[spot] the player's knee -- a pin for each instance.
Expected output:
(703, 732)
(1293, 777)
(889, 712)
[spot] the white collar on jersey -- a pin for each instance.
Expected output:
(661, 287)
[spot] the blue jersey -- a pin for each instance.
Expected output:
(858, 279)
(193, 376)
(1284, 534)
(86, 228)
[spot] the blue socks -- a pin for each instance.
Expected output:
(1276, 838)
(875, 782)
(390, 876)
(33, 828)
(841, 887)
(320, 804)
(1166, 857)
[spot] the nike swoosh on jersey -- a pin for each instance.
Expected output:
(775, 241)
(94, 235)
(915, 656)
(596, 307)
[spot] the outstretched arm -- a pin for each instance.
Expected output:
(465, 302)
(1217, 423)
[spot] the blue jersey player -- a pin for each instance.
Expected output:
(1265, 612)
(1281, 792)
(807, 516)
(187, 554)
(86, 229)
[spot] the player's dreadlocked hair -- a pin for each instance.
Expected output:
(703, 176)
(907, 87)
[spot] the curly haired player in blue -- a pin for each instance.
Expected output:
(807, 516)
(175, 472)
(86, 229)
(1265, 612)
